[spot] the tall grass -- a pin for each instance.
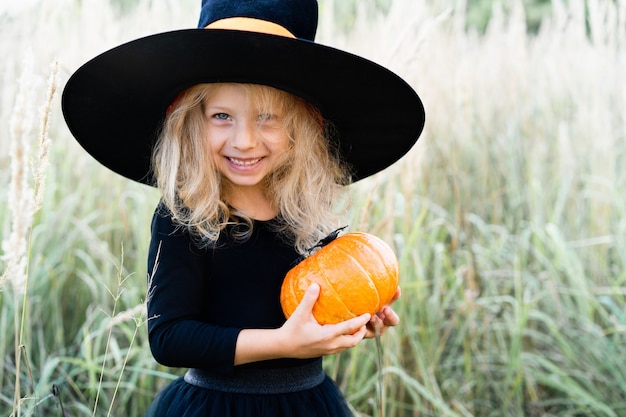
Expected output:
(508, 219)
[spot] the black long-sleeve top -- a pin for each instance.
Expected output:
(200, 299)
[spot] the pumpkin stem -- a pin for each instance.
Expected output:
(332, 236)
(323, 242)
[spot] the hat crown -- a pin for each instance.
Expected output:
(297, 16)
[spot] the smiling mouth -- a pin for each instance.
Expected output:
(244, 162)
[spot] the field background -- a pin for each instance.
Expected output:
(508, 217)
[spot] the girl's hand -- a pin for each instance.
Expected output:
(304, 337)
(384, 319)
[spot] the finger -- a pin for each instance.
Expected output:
(356, 336)
(308, 300)
(390, 317)
(375, 327)
(353, 325)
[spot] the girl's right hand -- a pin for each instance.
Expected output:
(303, 337)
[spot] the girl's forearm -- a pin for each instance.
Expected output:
(255, 345)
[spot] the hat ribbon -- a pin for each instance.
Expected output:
(251, 25)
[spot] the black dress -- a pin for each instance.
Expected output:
(198, 302)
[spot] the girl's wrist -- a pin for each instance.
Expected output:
(255, 345)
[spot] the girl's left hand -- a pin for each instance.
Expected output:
(384, 319)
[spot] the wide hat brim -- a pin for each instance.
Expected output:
(115, 104)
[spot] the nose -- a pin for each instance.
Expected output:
(244, 136)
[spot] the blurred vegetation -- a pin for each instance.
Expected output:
(478, 11)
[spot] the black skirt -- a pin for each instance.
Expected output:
(276, 393)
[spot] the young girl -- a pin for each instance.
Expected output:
(250, 148)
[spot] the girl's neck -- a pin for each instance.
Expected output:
(253, 202)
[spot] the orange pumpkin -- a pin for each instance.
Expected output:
(357, 273)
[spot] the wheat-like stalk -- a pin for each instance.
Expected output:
(20, 204)
(24, 199)
(20, 194)
(42, 161)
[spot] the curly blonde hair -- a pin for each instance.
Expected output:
(305, 189)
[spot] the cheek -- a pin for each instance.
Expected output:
(284, 153)
(214, 142)
(280, 143)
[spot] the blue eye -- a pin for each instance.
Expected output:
(264, 117)
(221, 116)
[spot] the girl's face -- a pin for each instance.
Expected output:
(245, 143)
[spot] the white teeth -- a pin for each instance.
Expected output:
(246, 163)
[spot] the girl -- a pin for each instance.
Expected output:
(250, 137)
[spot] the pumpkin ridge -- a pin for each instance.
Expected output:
(366, 273)
(330, 285)
(376, 248)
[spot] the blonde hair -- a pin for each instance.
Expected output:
(305, 188)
